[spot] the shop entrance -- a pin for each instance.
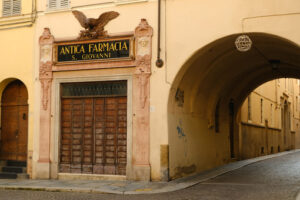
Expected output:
(94, 128)
(14, 121)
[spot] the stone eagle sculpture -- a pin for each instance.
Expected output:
(94, 28)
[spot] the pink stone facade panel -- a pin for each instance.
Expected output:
(139, 165)
(46, 42)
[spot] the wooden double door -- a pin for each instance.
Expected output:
(93, 135)
(14, 122)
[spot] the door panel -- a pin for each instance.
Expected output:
(93, 135)
(22, 133)
(9, 130)
(14, 120)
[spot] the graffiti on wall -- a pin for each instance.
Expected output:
(181, 135)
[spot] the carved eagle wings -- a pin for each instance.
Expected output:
(95, 25)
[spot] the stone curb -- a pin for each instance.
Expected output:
(59, 189)
(187, 182)
(153, 187)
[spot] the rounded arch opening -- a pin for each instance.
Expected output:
(208, 92)
(4, 83)
(14, 120)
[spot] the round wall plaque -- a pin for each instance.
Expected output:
(243, 43)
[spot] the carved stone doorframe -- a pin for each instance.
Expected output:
(45, 75)
(141, 96)
(139, 163)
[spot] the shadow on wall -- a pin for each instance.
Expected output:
(210, 80)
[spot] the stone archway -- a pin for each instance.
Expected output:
(210, 80)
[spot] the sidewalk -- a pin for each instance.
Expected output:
(127, 187)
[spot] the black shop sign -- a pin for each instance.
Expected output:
(93, 51)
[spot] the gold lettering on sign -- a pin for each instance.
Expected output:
(95, 56)
(82, 49)
(105, 45)
(100, 47)
(73, 49)
(120, 49)
(124, 47)
(62, 51)
(112, 47)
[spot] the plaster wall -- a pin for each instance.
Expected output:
(17, 63)
(260, 140)
(272, 92)
(272, 112)
(211, 21)
(187, 26)
(259, 134)
(196, 148)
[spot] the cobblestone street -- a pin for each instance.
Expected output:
(276, 178)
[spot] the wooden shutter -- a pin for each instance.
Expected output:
(11, 7)
(57, 4)
(16, 7)
(6, 7)
(52, 4)
(64, 3)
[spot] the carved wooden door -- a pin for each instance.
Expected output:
(94, 135)
(14, 121)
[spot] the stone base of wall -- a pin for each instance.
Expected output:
(139, 173)
(42, 170)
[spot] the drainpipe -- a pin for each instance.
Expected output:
(159, 62)
(34, 11)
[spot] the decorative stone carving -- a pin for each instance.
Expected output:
(45, 76)
(45, 97)
(143, 63)
(46, 37)
(143, 73)
(46, 79)
(46, 53)
(144, 29)
(243, 43)
(46, 70)
(141, 102)
(143, 59)
(94, 28)
(143, 43)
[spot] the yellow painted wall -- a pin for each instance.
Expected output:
(187, 27)
(207, 22)
(271, 93)
(16, 55)
(256, 131)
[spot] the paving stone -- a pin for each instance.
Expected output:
(269, 177)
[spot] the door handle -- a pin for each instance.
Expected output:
(24, 116)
